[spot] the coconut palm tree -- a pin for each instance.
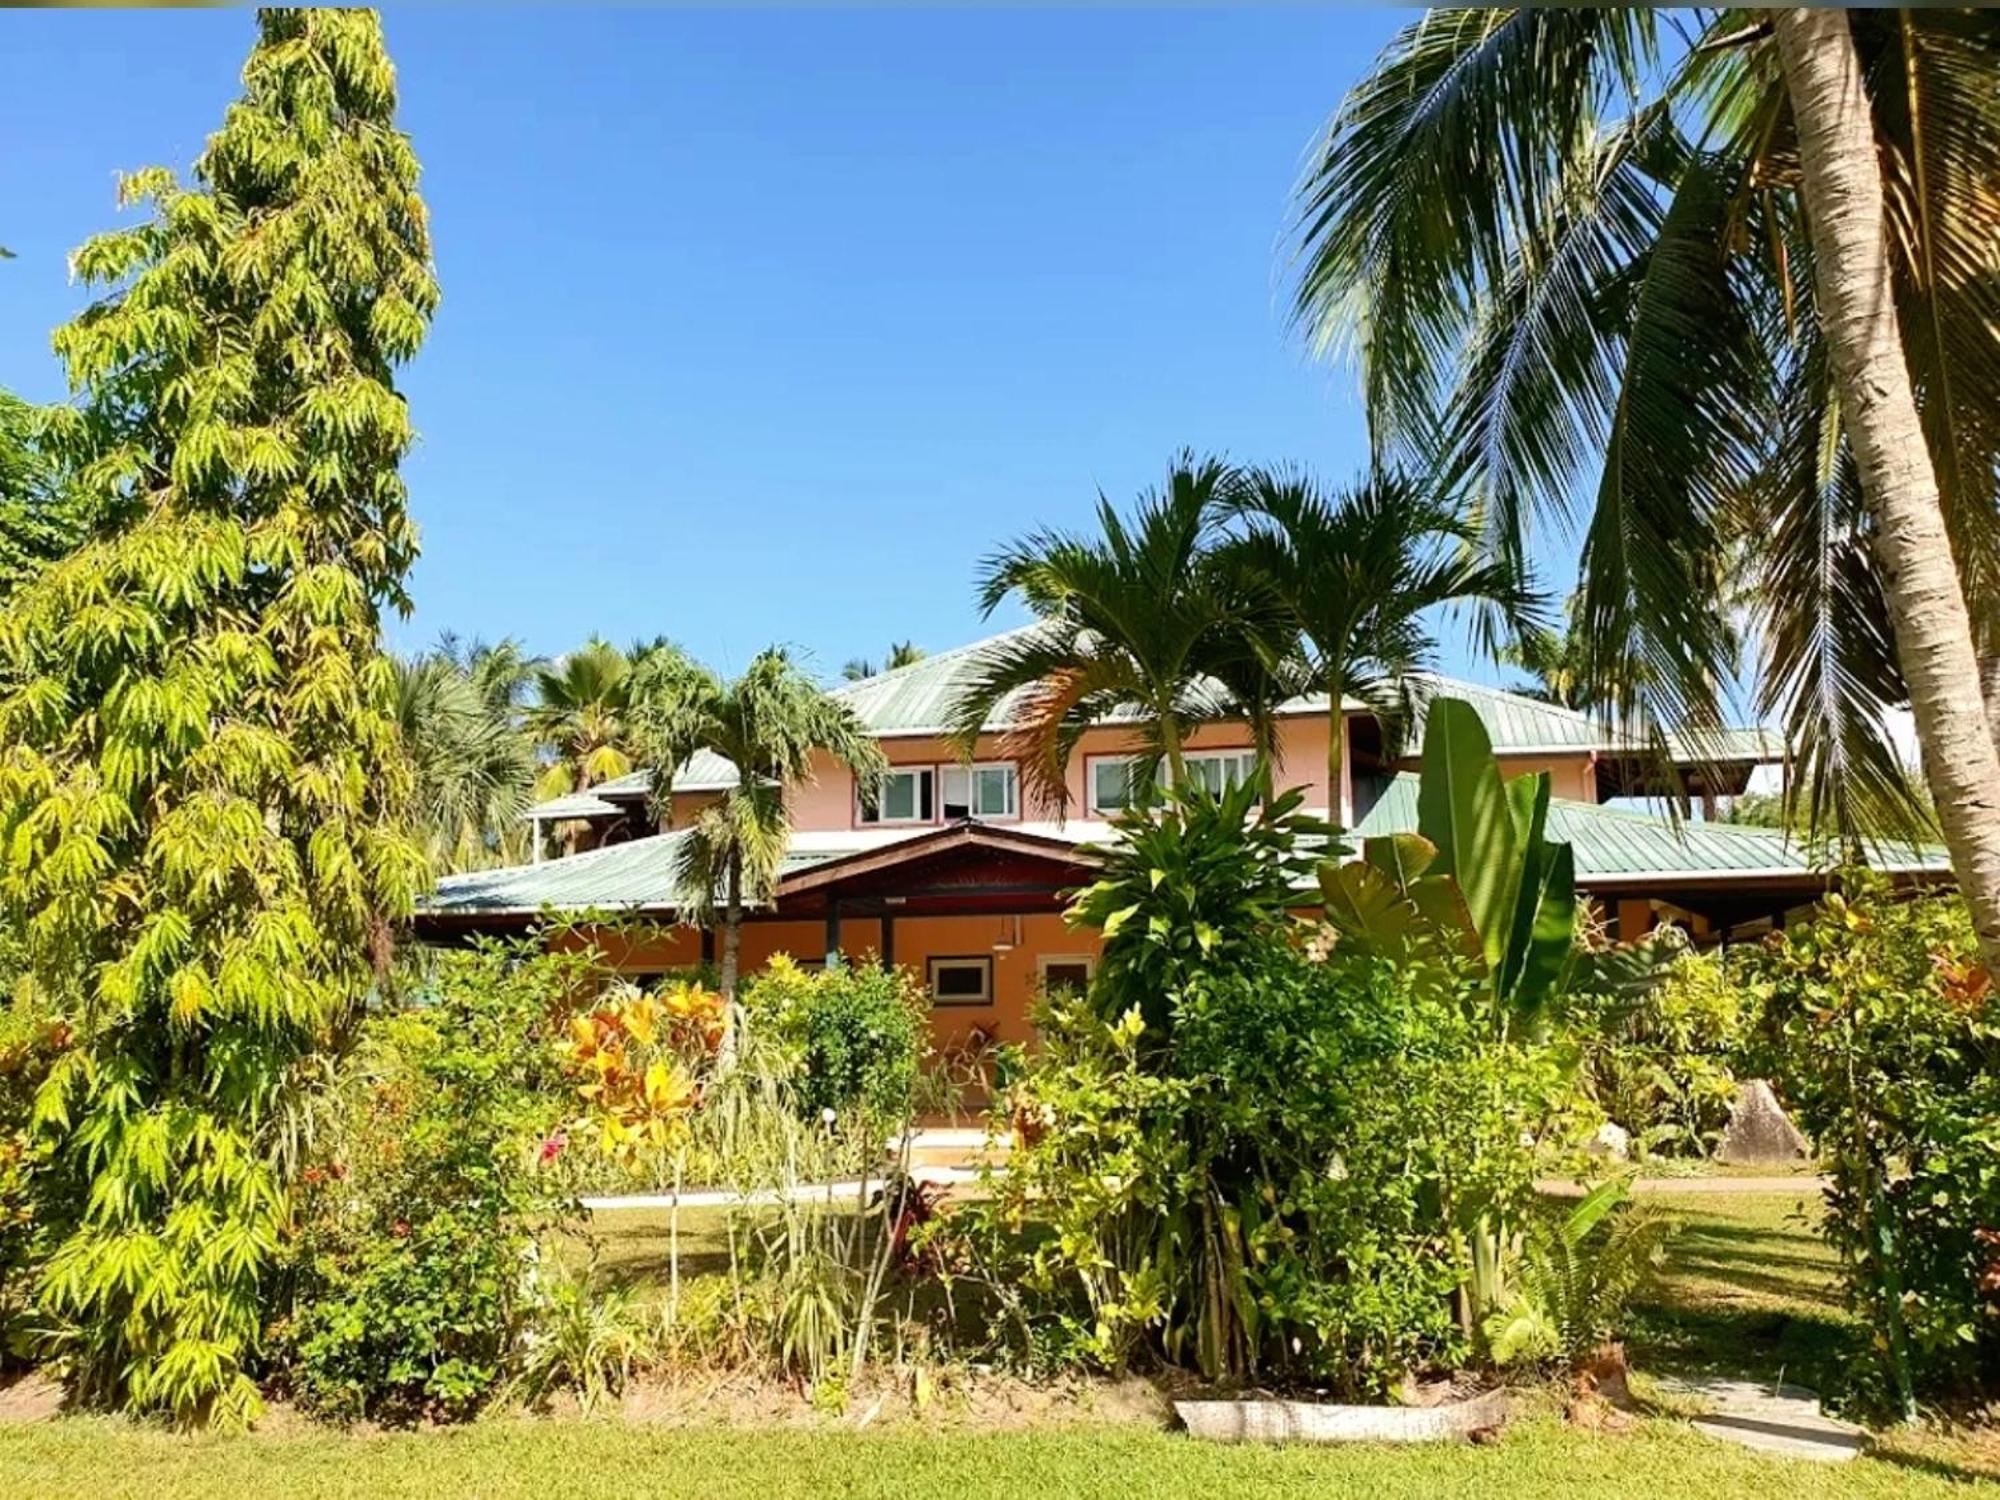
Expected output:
(769, 723)
(472, 767)
(901, 654)
(1145, 620)
(580, 715)
(1726, 298)
(1358, 573)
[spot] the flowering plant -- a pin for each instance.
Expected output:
(637, 1061)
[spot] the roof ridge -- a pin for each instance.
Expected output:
(931, 658)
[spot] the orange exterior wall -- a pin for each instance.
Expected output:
(1016, 972)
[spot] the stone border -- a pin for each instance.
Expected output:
(1316, 1422)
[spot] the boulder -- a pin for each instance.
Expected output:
(1760, 1133)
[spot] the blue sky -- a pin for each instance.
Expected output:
(768, 326)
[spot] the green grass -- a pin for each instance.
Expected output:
(1750, 1292)
(577, 1461)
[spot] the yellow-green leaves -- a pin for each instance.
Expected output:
(202, 788)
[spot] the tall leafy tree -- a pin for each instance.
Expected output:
(769, 723)
(472, 766)
(1729, 299)
(1359, 573)
(202, 791)
(580, 712)
(1145, 622)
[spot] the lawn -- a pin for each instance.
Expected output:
(1750, 1292)
(578, 1460)
(1750, 1289)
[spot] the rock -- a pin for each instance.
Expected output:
(1760, 1133)
(1612, 1142)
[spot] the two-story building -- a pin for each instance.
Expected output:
(953, 869)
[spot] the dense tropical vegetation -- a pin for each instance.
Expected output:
(1290, 1131)
(1723, 296)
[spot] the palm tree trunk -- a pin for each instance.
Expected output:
(732, 948)
(1857, 309)
(1989, 689)
(1336, 752)
(1170, 741)
(732, 927)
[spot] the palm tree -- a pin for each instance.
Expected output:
(1748, 280)
(901, 654)
(1145, 620)
(581, 717)
(769, 723)
(1357, 573)
(472, 768)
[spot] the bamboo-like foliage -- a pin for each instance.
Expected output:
(41, 517)
(1569, 251)
(202, 791)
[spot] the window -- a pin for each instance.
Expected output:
(1113, 778)
(985, 791)
(903, 797)
(1110, 783)
(961, 981)
(1221, 770)
(1065, 973)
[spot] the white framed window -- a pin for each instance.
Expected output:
(987, 790)
(1220, 770)
(1065, 971)
(961, 981)
(905, 795)
(1110, 778)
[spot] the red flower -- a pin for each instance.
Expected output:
(553, 1146)
(400, 1229)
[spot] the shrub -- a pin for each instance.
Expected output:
(856, 1033)
(1246, 1155)
(416, 1264)
(1661, 1058)
(585, 1341)
(1579, 1271)
(1883, 1032)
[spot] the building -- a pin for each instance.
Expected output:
(953, 870)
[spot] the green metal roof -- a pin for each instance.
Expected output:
(704, 771)
(1517, 724)
(637, 875)
(917, 700)
(1612, 844)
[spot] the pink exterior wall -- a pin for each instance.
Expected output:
(827, 803)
